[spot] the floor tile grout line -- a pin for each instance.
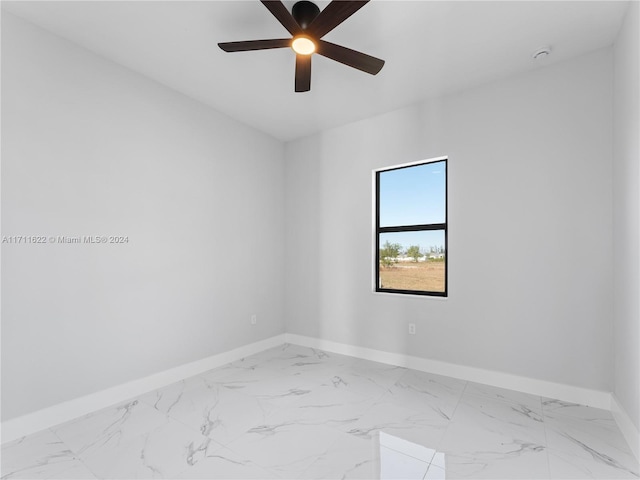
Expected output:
(76, 455)
(453, 413)
(501, 400)
(546, 437)
(197, 431)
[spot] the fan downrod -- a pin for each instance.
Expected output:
(304, 12)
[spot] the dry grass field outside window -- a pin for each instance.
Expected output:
(422, 276)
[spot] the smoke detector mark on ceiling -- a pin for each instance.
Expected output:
(541, 53)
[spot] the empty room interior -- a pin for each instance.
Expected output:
(264, 239)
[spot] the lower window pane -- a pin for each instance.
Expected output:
(412, 261)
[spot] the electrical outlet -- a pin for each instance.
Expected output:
(412, 329)
(254, 319)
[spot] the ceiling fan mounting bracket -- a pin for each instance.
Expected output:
(304, 12)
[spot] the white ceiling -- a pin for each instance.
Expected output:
(431, 48)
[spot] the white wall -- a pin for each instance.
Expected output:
(626, 208)
(91, 148)
(530, 220)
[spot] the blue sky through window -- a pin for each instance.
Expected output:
(413, 196)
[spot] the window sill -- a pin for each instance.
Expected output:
(409, 295)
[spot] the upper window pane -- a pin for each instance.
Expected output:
(413, 195)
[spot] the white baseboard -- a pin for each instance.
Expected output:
(567, 393)
(626, 426)
(63, 412)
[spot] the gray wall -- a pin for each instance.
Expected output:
(530, 219)
(626, 207)
(90, 148)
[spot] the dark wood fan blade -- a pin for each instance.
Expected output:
(333, 15)
(353, 58)
(303, 73)
(255, 45)
(278, 10)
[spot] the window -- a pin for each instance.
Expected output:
(411, 229)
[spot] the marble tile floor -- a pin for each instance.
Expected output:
(296, 413)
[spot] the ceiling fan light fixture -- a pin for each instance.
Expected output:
(303, 45)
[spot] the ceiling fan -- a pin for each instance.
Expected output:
(307, 25)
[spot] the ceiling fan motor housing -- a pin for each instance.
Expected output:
(304, 12)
